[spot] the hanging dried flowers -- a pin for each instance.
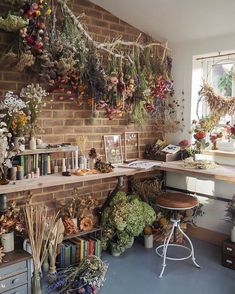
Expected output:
(218, 104)
(2, 254)
(12, 23)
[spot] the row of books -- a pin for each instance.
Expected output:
(33, 162)
(75, 249)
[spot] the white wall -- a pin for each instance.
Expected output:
(182, 54)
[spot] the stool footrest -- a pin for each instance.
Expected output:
(174, 245)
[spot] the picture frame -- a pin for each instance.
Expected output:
(113, 149)
(131, 146)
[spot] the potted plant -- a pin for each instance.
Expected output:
(122, 220)
(230, 216)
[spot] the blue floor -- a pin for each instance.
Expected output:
(137, 270)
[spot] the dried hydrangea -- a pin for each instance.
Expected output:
(12, 23)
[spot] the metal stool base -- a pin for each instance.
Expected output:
(164, 247)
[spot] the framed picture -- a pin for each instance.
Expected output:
(132, 146)
(113, 148)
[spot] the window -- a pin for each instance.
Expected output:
(219, 72)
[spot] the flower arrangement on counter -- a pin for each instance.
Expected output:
(66, 58)
(124, 218)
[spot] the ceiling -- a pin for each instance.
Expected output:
(176, 20)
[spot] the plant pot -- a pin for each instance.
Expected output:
(32, 143)
(131, 242)
(233, 234)
(8, 242)
(115, 252)
(148, 241)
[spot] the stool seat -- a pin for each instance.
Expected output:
(177, 201)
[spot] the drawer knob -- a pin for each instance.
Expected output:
(229, 249)
(15, 281)
(3, 286)
(229, 261)
(16, 292)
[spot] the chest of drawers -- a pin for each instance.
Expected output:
(228, 254)
(15, 273)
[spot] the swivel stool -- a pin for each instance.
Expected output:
(175, 202)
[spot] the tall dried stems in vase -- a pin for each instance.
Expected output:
(39, 228)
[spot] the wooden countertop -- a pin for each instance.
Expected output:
(13, 257)
(224, 173)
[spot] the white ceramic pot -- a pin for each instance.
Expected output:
(8, 242)
(233, 234)
(148, 241)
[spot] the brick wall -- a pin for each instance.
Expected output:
(62, 121)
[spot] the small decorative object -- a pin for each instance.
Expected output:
(124, 218)
(92, 157)
(132, 146)
(86, 224)
(148, 237)
(184, 145)
(113, 148)
(230, 216)
(214, 137)
(103, 167)
(2, 254)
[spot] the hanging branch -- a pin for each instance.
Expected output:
(106, 46)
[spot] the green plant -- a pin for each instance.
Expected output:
(124, 218)
(225, 83)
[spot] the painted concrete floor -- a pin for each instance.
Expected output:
(137, 270)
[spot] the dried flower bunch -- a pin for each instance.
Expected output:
(70, 62)
(7, 151)
(12, 219)
(12, 23)
(218, 104)
(87, 277)
(33, 96)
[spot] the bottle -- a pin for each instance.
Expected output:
(32, 143)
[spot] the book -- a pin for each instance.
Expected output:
(142, 164)
(72, 252)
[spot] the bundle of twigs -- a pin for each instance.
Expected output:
(39, 228)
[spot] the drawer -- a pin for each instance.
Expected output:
(19, 290)
(228, 261)
(229, 248)
(13, 269)
(13, 282)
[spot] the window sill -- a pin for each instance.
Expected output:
(220, 153)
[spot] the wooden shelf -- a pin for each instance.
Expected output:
(68, 148)
(82, 233)
(58, 179)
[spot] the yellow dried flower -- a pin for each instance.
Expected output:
(48, 12)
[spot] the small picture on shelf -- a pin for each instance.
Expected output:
(132, 146)
(113, 148)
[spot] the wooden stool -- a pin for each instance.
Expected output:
(175, 201)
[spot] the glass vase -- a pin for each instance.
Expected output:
(36, 283)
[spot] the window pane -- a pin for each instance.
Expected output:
(222, 78)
